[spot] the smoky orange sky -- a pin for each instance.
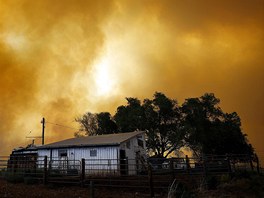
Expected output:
(60, 59)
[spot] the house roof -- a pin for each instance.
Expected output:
(99, 140)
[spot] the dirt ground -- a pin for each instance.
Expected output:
(18, 190)
(251, 187)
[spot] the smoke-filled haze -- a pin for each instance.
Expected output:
(60, 59)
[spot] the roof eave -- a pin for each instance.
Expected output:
(77, 146)
(133, 137)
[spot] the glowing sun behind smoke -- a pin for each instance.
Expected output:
(104, 78)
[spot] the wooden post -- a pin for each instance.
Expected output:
(91, 189)
(82, 172)
(45, 175)
(250, 162)
(257, 160)
(205, 171)
(150, 181)
(188, 167)
(43, 130)
(172, 169)
(228, 164)
(205, 165)
(12, 162)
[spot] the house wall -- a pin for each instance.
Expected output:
(133, 152)
(106, 159)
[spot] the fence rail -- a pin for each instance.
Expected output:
(154, 173)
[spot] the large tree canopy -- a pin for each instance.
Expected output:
(199, 123)
(209, 130)
(130, 117)
(164, 126)
(160, 117)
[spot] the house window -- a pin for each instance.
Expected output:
(93, 153)
(62, 153)
(128, 144)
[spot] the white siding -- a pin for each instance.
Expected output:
(106, 159)
(131, 153)
(41, 154)
(102, 153)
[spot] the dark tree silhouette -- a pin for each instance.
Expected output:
(88, 124)
(130, 117)
(105, 123)
(199, 124)
(160, 117)
(96, 124)
(210, 130)
(164, 132)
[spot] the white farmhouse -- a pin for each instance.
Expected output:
(120, 153)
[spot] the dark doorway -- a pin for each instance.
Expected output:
(63, 159)
(123, 163)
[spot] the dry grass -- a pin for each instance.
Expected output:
(21, 190)
(238, 187)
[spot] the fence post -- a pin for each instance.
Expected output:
(91, 189)
(257, 160)
(82, 172)
(188, 167)
(12, 161)
(172, 169)
(250, 162)
(45, 174)
(205, 165)
(228, 164)
(205, 170)
(150, 181)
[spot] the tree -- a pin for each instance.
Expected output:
(130, 117)
(160, 117)
(96, 124)
(199, 124)
(164, 133)
(88, 124)
(210, 130)
(105, 124)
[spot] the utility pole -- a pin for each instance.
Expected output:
(43, 130)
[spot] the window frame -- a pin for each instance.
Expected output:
(93, 153)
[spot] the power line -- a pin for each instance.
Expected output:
(60, 125)
(33, 136)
